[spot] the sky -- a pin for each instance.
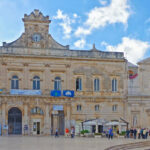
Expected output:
(112, 25)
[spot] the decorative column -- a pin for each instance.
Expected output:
(3, 117)
(47, 120)
(26, 76)
(25, 122)
(46, 80)
(67, 112)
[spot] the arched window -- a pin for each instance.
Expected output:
(78, 84)
(114, 85)
(15, 82)
(37, 110)
(57, 83)
(96, 85)
(36, 83)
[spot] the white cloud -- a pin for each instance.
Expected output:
(66, 22)
(75, 15)
(133, 49)
(80, 43)
(117, 12)
(82, 31)
(103, 2)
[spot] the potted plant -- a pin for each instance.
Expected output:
(84, 133)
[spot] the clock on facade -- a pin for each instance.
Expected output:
(36, 37)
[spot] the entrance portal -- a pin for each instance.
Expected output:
(14, 121)
(58, 122)
(36, 127)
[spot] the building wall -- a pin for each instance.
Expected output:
(139, 96)
(48, 59)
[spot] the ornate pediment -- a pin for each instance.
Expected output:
(36, 15)
(36, 33)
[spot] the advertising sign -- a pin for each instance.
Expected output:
(25, 92)
(68, 93)
(25, 127)
(58, 107)
(5, 127)
(55, 93)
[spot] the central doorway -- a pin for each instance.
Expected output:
(58, 122)
(14, 121)
(36, 126)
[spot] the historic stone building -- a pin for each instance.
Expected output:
(138, 105)
(45, 85)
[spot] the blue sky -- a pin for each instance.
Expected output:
(113, 25)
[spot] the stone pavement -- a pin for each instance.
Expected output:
(61, 143)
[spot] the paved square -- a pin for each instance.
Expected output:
(61, 143)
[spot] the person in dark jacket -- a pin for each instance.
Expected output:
(134, 133)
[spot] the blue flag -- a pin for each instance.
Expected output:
(55, 93)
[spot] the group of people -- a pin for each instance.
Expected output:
(68, 133)
(140, 133)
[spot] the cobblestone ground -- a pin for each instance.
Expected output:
(61, 143)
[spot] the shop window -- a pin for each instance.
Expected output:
(15, 82)
(78, 84)
(36, 83)
(57, 83)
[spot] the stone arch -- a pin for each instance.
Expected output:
(14, 121)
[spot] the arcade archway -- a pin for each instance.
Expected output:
(14, 121)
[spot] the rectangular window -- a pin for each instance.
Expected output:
(114, 108)
(96, 85)
(114, 85)
(79, 107)
(96, 107)
(78, 84)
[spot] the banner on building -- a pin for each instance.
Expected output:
(25, 92)
(1, 91)
(58, 107)
(68, 93)
(55, 93)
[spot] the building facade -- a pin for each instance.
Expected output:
(45, 85)
(138, 106)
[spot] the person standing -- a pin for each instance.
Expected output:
(138, 132)
(72, 132)
(110, 133)
(67, 132)
(144, 133)
(134, 133)
(56, 133)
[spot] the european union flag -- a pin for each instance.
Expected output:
(55, 93)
